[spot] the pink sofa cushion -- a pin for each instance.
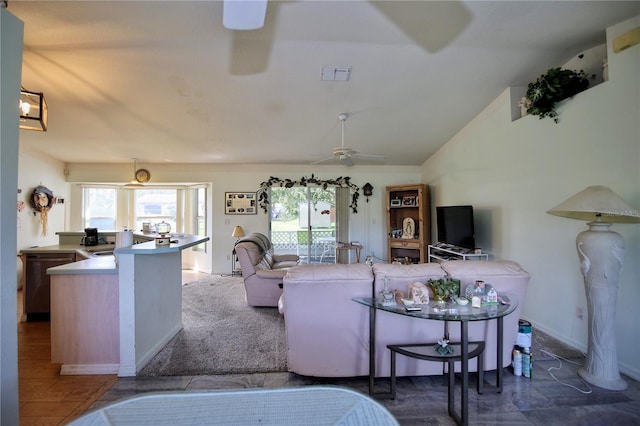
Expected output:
(400, 276)
(327, 333)
(469, 268)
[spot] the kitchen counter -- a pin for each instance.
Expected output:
(128, 312)
(93, 265)
(106, 264)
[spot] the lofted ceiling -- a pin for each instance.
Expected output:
(164, 81)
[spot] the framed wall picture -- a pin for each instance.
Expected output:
(240, 203)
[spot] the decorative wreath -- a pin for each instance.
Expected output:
(342, 182)
(42, 199)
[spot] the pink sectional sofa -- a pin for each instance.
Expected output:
(328, 333)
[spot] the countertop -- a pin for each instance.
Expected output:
(94, 265)
(106, 264)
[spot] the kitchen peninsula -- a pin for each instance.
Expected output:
(108, 319)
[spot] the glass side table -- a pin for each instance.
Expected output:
(463, 350)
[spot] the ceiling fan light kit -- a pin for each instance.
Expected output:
(345, 154)
(244, 14)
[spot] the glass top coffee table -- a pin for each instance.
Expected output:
(463, 350)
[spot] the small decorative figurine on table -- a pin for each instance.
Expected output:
(492, 296)
(386, 297)
(443, 347)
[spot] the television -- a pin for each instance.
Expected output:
(455, 226)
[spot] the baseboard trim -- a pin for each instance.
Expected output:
(88, 369)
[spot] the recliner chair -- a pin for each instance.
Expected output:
(262, 270)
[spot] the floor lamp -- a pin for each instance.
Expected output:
(238, 233)
(601, 252)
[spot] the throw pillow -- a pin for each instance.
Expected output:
(264, 263)
(268, 256)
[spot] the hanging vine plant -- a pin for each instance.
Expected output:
(340, 182)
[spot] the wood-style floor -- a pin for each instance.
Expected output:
(46, 397)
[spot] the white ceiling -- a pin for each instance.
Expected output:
(163, 81)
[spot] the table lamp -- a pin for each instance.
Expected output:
(238, 232)
(601, 252)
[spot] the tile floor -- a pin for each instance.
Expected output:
(423, 400)
(49, 399)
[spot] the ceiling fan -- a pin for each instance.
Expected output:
(345, 154)
(244, 14)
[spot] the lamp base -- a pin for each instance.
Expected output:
(613, 384)
(601, 252)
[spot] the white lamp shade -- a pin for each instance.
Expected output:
(597, 203)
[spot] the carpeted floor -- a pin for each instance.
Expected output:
(221, 334)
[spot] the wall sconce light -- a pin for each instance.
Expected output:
(33, 111)
(367, 190)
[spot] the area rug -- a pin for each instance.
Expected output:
(221, 334)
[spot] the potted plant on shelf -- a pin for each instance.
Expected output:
(554, 86)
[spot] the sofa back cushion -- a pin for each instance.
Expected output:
(400, 276)
(504, 275)
(327, 332)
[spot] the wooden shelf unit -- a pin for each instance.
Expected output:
(399, 207)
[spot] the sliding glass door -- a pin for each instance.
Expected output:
(303, 221)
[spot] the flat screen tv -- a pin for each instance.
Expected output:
(455, 226)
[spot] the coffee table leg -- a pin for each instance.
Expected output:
(465, 373)
(499, 355)
(451, 389)
(372, 349)
(393, 374)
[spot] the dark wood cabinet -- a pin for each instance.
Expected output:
(408, 205)
(37, 284)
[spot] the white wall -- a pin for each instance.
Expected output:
(35, 170)
(513, 172)
(367, 226)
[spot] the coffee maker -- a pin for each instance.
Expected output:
(90, 237)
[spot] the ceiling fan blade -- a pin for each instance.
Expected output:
(324, 160)
(369, 156)
(244, 14)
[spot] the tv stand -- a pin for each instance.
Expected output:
(442, 252)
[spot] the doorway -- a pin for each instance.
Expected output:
(303, 221)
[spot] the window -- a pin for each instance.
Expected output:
(155, 206)
(99, 208)
(110, 208)
(200, 219)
